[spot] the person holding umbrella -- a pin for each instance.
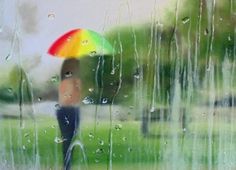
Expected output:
(68, 114)
(73, 45)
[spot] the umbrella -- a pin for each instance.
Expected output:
(78, 43)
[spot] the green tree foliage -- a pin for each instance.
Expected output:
(17, 88)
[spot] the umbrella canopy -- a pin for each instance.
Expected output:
(78, 43)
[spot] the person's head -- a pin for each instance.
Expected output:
(70, 68)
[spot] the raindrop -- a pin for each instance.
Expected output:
(10, 90)
(68, 74)
(221, 19)
(118, 127)
(96, 160)
(45, 131)
(165, 142)
(51, 16)
(229, 38)
(88, 100)
(54, 79)
(152, 109)
(39, 99)
(99, 151)
(184, 129)
(91, 89)
(137, 76)
(29, 141)
(23, 147)
(126, 96)
(93, 53)
(85, 42)
(69, 38)
(114, 155)
(104, 100)
(206, 32)
(53, 126)
(67, 121)
(8, 57)
(101, 142)
(57, 106)
(91, 136)
(58, 140)
(26, 135)
(185, 20)
(124, 139)
(112, 71)
(1, 29)
(130, 149)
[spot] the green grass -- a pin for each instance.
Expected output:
(167, 143)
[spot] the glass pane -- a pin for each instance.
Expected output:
(117, 84)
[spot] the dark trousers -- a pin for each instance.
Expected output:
(68, 120)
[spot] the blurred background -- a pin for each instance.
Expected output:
(165, 100)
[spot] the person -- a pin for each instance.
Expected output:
(68, 114)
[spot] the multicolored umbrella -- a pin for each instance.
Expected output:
(78, 43)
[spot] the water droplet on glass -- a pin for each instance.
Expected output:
(67, 121)
(57, 106)
(58, 140)
(185, 20)
(91, 89)
(206, 31)
(8, 57)
(101, 142)
(54, 79)
(91, 136)
(39, 99)
(136, 76)
(104, 100)
(93, 53)
(152, 109)
(68, 74)
(126, 96)
(69, 38)
(99, 151)
(113, 71)
(88, 100)
(124, 139)
(118, 127)
(51, 16)
(10, 90)
(26, 135)
(85, 42)
(130, 149)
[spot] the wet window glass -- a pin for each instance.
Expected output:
(117, 85)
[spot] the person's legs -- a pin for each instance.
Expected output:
(68, 120)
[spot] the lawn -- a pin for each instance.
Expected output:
(38, 145)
